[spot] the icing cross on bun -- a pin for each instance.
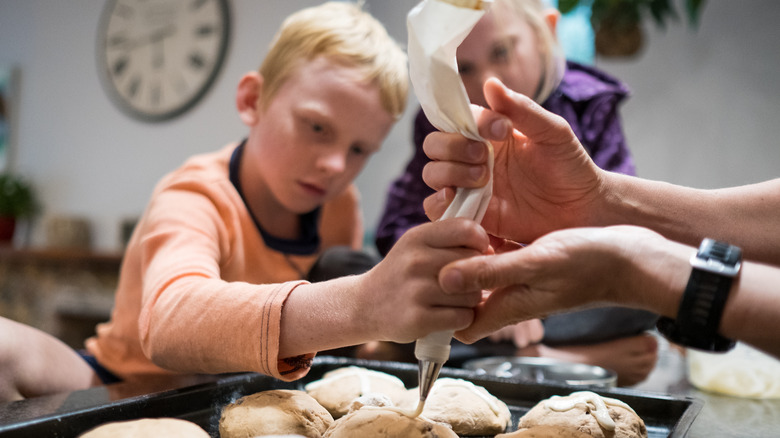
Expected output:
(339, 388)
(586, 412)
(470, 409)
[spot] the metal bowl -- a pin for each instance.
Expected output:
(543, 370)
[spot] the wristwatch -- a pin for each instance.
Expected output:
(714, 267)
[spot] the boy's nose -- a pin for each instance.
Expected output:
(332, 162)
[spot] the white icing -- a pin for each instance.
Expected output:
(362, 374)
(447, 382)
(373, 399)
(595, 404)
(412, 414)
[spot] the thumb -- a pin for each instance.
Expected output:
(483, 272)
(526, 115)
(503, 307)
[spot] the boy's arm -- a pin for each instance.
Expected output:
(398, 300)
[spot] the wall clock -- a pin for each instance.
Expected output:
(158, 58)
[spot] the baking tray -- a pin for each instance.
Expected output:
(664, 416)
(543, 370)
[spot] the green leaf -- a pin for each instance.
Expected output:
(693, 9)
(566, 6)
(17, 198)
(660, 10)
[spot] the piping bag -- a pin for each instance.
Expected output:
(436, 28)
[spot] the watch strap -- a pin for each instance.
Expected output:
(714, 268)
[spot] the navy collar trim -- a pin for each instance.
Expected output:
(307, 244)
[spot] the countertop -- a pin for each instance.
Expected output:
(721, 415)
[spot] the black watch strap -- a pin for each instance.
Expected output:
(714, 268)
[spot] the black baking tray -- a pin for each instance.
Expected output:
(664, 416)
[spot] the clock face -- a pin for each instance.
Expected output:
(159, 57)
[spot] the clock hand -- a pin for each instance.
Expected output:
(151, 38)
(158, 59)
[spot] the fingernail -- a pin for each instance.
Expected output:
(477, 172)
(500, 128)
(452, 280)
(505, 88)
(475, 150)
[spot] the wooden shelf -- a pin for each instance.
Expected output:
(58, 256)
(64, 292)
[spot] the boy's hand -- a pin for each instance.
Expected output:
(403, 298)
(544, 179)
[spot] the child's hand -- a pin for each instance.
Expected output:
(521, 334)
(633, 358)
(403, 299)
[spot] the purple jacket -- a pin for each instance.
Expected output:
(587, 98)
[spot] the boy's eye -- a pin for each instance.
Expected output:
(317, 129)
(357, 150)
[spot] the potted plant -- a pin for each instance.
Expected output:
(617, 23)
(17, 200)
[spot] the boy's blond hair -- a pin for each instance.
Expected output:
(343, 33)
(553, 58)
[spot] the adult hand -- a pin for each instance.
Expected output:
(543, 178)
(569, 270)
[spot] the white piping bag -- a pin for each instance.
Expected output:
(436, 29)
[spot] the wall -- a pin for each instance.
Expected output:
(703, 110)
(705, 104)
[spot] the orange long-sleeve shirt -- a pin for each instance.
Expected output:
(199, 291)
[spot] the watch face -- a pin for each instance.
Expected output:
(159, 57)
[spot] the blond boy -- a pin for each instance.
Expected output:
(211, 281)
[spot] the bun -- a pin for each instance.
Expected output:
(147, 428)
(545, 432)
(470, 409)
(339, 388)
(274, 412)
(586, 412)
(382, 422)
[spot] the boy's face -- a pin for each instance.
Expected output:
(506, 48)
(316, 135)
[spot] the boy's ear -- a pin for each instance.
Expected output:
(248, 98)
(552, 16)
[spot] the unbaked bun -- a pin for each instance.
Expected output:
(586, 412)
(147, 428)
(470, 409)
(388, 423)
(339, 388)
(274, 412)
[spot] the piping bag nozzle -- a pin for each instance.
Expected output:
(431, 352)
(428, 372)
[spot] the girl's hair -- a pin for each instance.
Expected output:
(345, 34)
(553, 58)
